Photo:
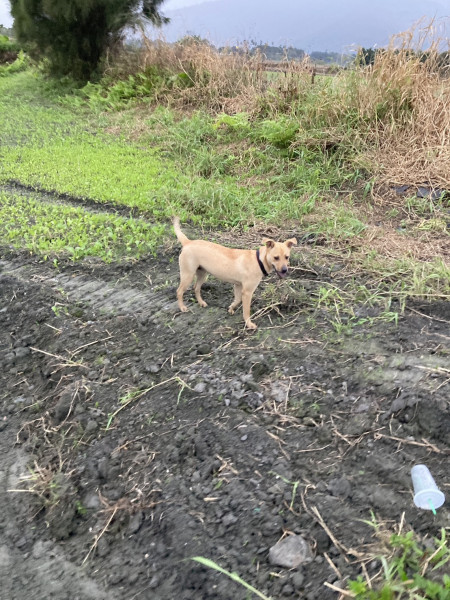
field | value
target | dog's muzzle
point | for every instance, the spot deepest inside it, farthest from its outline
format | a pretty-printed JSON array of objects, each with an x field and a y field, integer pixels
[{"x": 282, "y": 274}]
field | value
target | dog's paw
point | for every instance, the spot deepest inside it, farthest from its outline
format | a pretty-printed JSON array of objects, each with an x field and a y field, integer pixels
[
  {"x": 183, "y": 309},
  {"x": 203, "y": 304},
  {"x": 231, "y": 310},
  {"x": 251, "y": 325}
]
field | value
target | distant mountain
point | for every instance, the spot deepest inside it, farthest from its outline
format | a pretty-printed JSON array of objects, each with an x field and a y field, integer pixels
[{"x": 310, "y": 25}]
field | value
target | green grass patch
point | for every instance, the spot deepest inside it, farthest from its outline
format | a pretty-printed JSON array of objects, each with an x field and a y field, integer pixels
[
  {"x": 213, "y": 170},
  {"x": 55, "y": 231},
  {"x": 199, "y": 166}
]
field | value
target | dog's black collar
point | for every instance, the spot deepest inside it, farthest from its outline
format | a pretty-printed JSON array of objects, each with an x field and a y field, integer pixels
[{"x": 261, "y": 266}]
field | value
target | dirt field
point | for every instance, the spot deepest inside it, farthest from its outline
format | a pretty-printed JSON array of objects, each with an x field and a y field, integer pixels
[{"x": 134, "y": 437}]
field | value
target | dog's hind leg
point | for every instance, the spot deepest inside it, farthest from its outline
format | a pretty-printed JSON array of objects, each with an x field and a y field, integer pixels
[
  {"x": 237, "y": 298},
  {"x": 187, "y": 273},
  {"x": 201, "y": 278}
]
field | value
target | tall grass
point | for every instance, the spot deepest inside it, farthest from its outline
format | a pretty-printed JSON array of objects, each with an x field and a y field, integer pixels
[
  {"x": 391, "y": 119},
  {"x": 405, "y": 98}
]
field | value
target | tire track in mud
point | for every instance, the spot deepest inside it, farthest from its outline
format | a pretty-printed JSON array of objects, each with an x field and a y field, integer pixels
[
  {"x": 32, "y": 568},
  {"x": 100, "y": 295}
]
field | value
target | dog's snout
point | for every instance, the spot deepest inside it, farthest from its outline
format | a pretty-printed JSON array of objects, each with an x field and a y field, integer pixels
[{"x": 284, "y": 269}]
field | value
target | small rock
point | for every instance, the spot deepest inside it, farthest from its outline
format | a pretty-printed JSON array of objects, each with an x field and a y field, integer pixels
[
  {"x": 196, "y": 477},
  {"x": 203, "y": 349},
  {"x": 297, "y": 580},
  {"x": 133, "y": 577},
  {"x": 21, "y": 542},
  {"x": 22, "y": 352},
  {"x": 91, "y": 427},
  {"x": 19, "y": 399},
  {"x": 383, "y": 497},
  {"x": 340, "y": 487},
  {"x": 115, "y": 575},
  {"x": 290, "y": 552},
  {"x": 41, "y": 549},
  {"x": 272, "y": 526},
  {"x": 63, "y": 407},
  {"x": 279, "y": 393},
  {"x": 287, "y": 590},
  {"x": 9, "y": 358},
  {"x": 91, "y": 500},
  {"x": 200, "y": 387},
  {"x": 5, "y": 560},
  {"x": 229, "y": 519},
  {"x": 135, "y": 522},
  {"x": 362, "y": 407},
  {"x": 102, "y": 467},
  {"x": 323, "y": 542}
]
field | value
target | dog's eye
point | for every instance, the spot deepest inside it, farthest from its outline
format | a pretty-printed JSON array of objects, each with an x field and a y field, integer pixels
[
  {"x": 276, "y": 258},
  {"x": 287, "y": 257}
]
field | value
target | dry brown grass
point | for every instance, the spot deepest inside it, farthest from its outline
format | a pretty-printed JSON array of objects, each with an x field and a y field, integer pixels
[
  {"x": 228, "y": 81},
  {"x": 410, "y": 100},
  {"x": 392, "y": 119}
]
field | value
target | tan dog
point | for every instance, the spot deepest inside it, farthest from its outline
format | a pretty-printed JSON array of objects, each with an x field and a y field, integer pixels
[{"x": 243, "y": 268}]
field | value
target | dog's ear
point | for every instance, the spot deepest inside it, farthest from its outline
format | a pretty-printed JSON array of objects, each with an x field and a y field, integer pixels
[
  {"x": 268, "y": 242},
  {"x": 291, "y": 242}
]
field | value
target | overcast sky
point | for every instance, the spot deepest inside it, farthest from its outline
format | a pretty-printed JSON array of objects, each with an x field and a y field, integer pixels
[
  {"x": 174, "y": 4},
  {"x": 5, "y": 17}
]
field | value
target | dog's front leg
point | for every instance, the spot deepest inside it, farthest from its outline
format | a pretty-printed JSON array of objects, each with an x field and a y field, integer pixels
[{"x": 246, "y": 302}]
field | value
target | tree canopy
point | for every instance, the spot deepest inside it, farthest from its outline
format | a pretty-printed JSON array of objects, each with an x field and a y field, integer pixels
[{"x": 74, "y": 34}]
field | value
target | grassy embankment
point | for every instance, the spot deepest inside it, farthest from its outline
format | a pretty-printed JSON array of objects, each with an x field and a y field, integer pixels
[{"x": 219, "y": 143}]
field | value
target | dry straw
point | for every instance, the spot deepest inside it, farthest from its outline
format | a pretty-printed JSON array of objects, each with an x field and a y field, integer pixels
[
  {"x": 392, "y": 118},
  {"x": 408, "y": 93},
  {"x": 232, "y": 80}
]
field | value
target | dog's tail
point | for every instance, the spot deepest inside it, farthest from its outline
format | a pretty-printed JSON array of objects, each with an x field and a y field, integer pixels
[{"x": 180, "y": 235}]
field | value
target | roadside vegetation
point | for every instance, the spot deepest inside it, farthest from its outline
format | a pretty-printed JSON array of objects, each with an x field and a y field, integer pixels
[{"x": 212, "y": 137}]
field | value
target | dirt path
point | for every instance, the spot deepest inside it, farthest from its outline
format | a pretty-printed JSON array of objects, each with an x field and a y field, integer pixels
[{"x": 148, "y": 437}]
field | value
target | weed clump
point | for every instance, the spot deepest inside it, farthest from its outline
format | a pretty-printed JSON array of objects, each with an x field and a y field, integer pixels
[{"x": 390, "y": 119}]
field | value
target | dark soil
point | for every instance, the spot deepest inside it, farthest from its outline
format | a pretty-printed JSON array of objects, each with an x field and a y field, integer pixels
[{"x": 134, "y": 437}]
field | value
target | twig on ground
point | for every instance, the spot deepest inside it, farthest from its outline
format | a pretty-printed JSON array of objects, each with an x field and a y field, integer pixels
[
  {"x": 97, "y": 537},
  {"x": 332, "y": 565},
  {"x": 424, "y": 444},
  {"x": 66, "y": 362},
  {"x": 90, "y": 344}
]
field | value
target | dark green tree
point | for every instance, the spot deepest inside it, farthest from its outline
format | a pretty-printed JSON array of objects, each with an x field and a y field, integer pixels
[
  {"x": 366, "y": 56},
  {"x": 74, "y": 35}
]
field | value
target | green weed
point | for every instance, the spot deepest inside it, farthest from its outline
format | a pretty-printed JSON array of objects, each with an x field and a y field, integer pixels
[
  {"x": 405, "y": 571},
  {"x": 51, "y": 229},
  {"x": 233, "y": 576},
  {"x": 20, "y": 64}
]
